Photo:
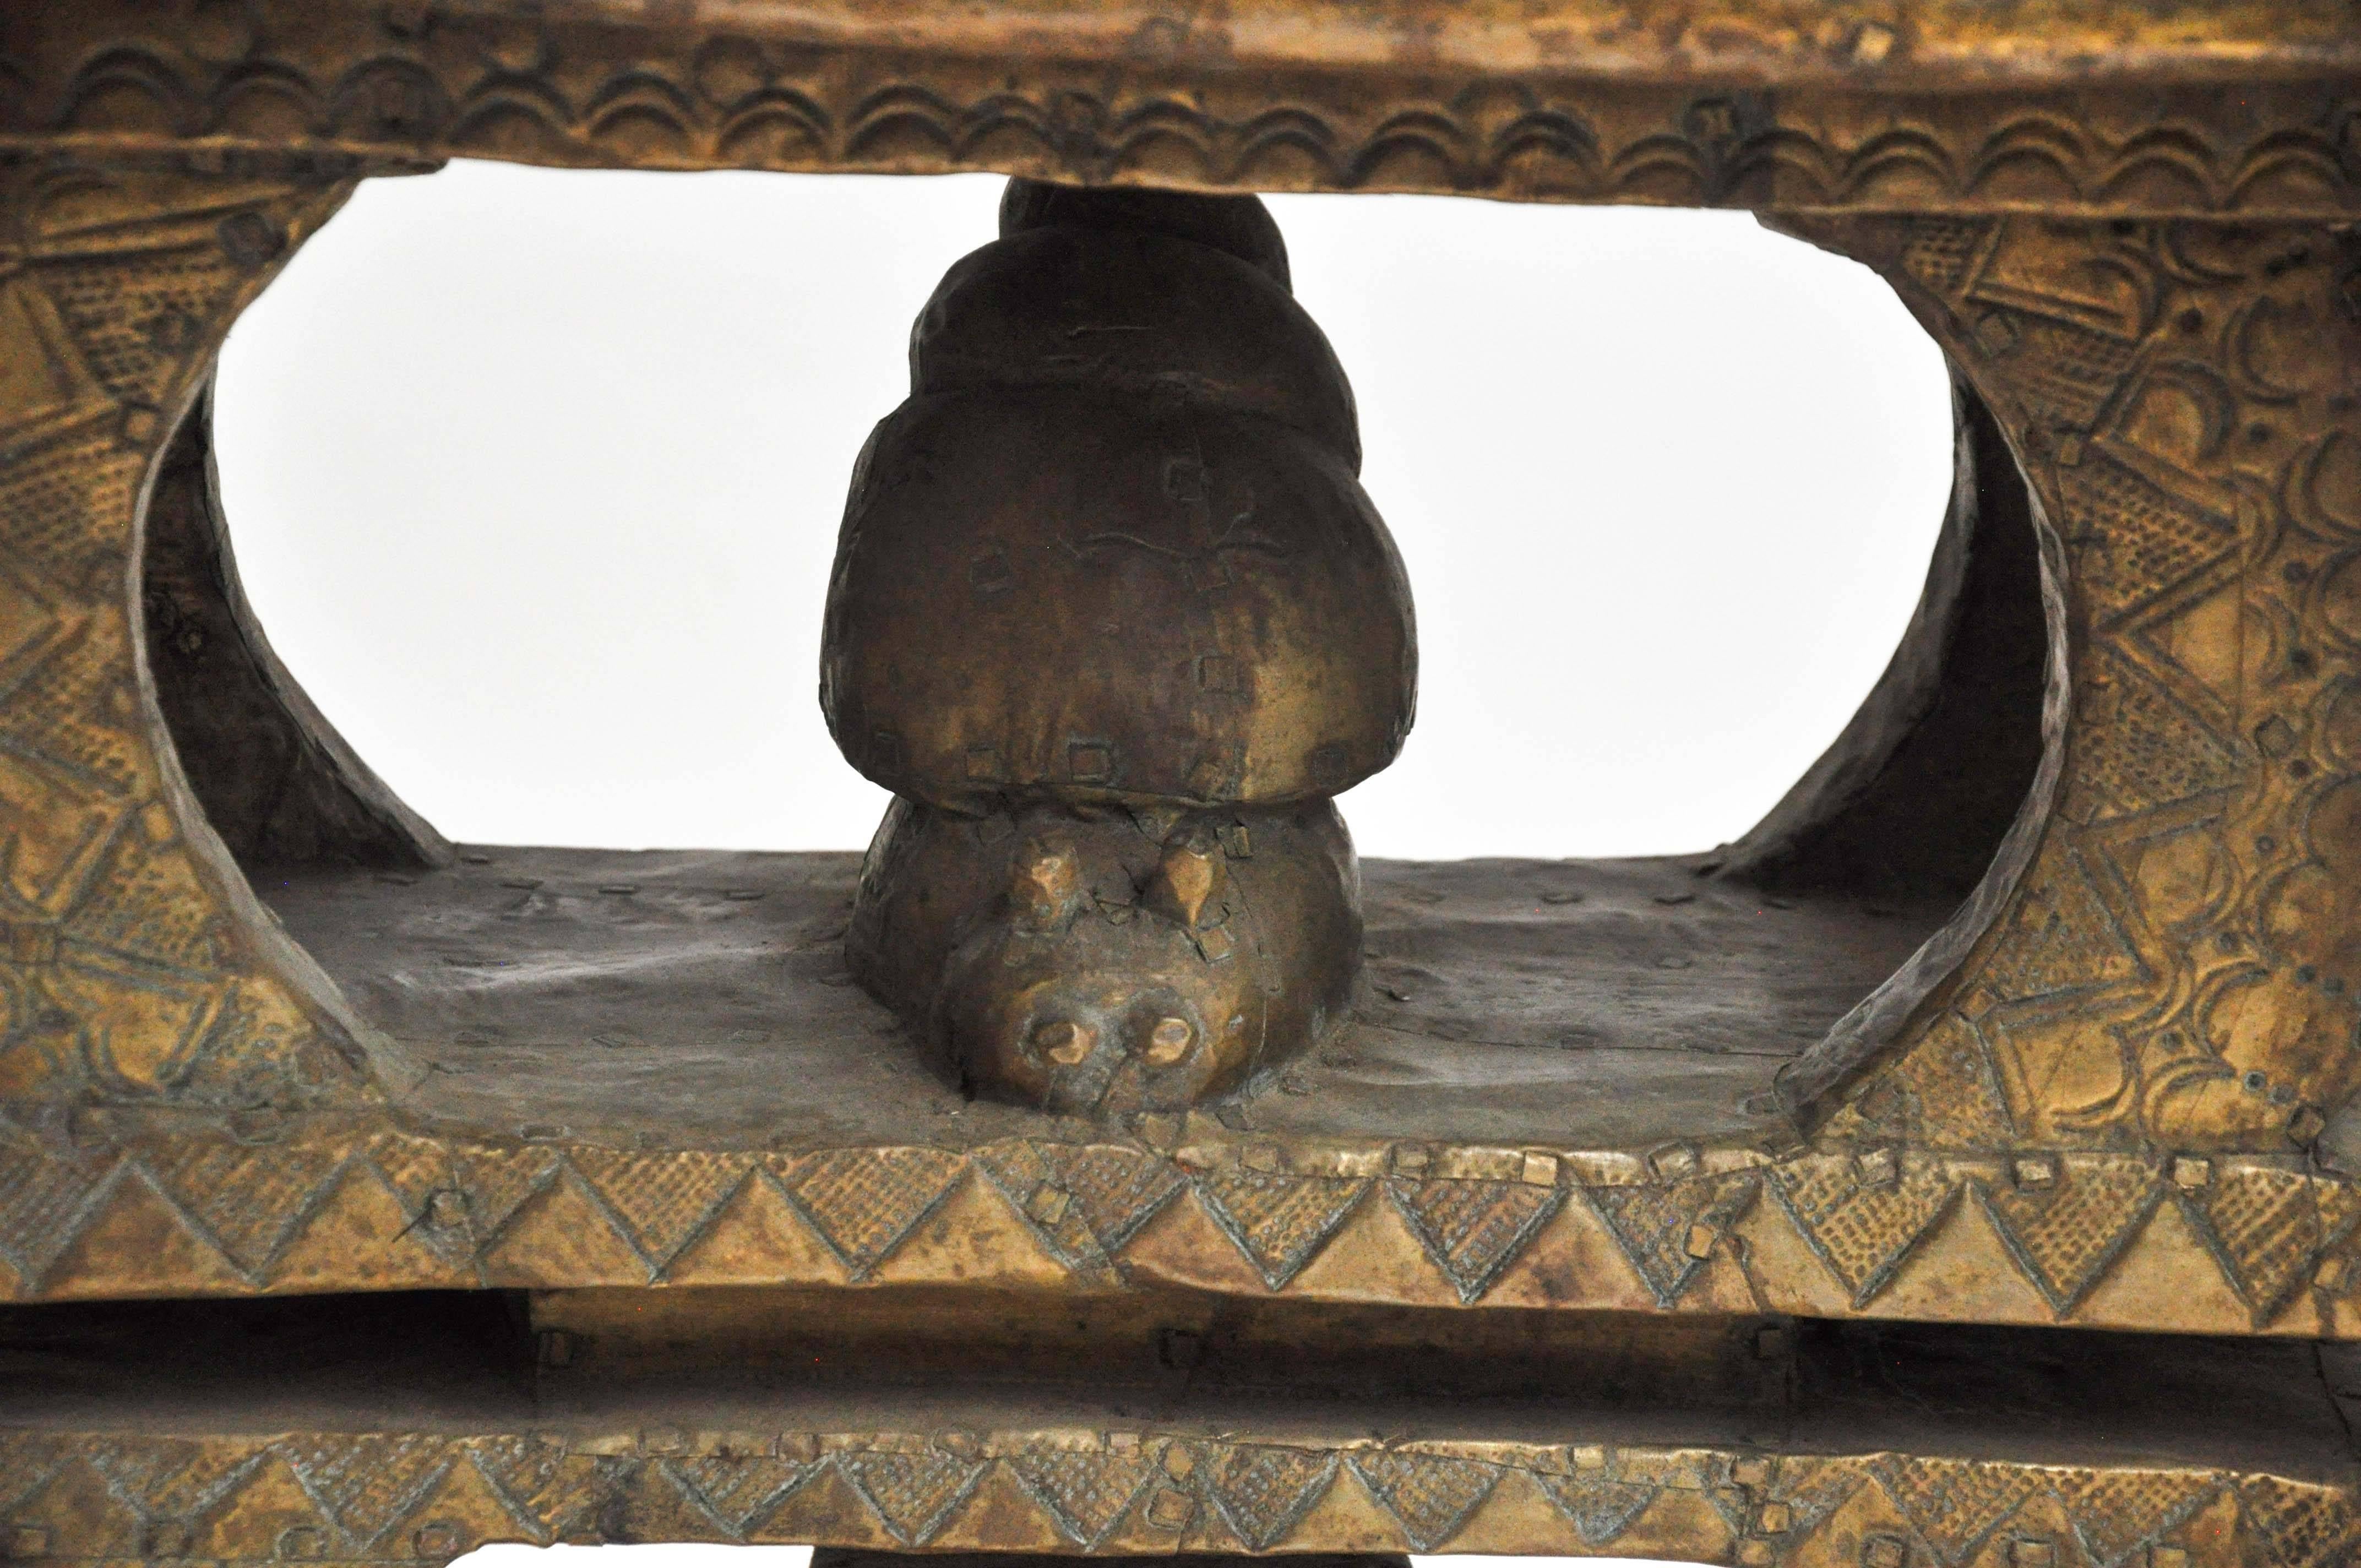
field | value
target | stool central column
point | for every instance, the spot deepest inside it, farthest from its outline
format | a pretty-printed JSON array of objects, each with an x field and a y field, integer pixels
[{"x": 1113, "y": 619}]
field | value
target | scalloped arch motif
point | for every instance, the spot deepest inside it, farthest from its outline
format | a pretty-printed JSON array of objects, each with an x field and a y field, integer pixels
[
  {"x": 2128, "y": 1069},
  {"x": 407, "y": 80}
]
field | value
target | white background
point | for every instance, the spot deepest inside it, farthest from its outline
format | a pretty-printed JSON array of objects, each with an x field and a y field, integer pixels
[{"x": 535, "y": 478}]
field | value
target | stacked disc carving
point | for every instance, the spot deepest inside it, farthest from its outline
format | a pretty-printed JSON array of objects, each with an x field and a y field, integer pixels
[{"x": 1113, "y": 619}]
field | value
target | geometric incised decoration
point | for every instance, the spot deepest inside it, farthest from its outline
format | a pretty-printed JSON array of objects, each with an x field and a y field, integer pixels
[
  {"x": 426, "y": 1214},
  {"x": 367, "y": 1485},
  {"x": 140, "y": 978},
  {"x": 2175, "y": 967},
  {"x": 2265, "y": 1228},
  {"x": 1668, "y": 1231},
  {"x": 1262, "y": 1493},
  {"x": 1954, "y": 1505},
  {"x": 864, "y": 1202},
  {"x": 738, "y": 1494},
  {"x": 915, "y": 1491},
  {"x": 1429, "y": 1495},
  {"x": 1473, "y": 1230},
  {"x": 249, "y": 1200},
  {"x": 700, "y": 93},
  {"x": 1087, "y": 1488},
  {"x": 1863, "y": 1220},
  {"x": 2160, "y": 1015},
  {"x": 2136, "y": 748},
  {"x": 1279, "y": 1223},
  {"x": 1810, "y": 1490},
  {"x": 528, "y": 1475},
  {"x": 1083, "y": 1201},
  {"x": 2179, "y": 394},
  {"x": 2067, "y": 1230},
  {"x": 397, "y": 1497},
  {"x": 2298, "y": 1527},
  {"x": 1601, "y": 1506},
  {"x": 2120, "y": 1091},
  {"x": 181, "y": 1480},
  {"x": 1948, "y": 1090},
  {"x": 2116, "y": 1514},
  {"x": 45, "y": 386},
  {"x": 46, "y": 1198},
  {"x": 498, "y": 1183},
  {"x": 417, "y": 1175},
  {"x": 2017, "y": 271},
  {"x": 2063, "y": 938},
  {"x": 665, "y": 1201},
  {"x": 2142, "y": 545}
]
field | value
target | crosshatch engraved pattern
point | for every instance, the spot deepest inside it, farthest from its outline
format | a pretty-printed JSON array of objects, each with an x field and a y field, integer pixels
[
  {"x": 2121, "y": 1109},
  {"x": 414, "y": 1496},
  {"x": 314, "y": 1203},
  {"x": 2174, "y": 971},
  {"x": 2119, "y": 1086},
  {"x": 132, "y": 961},
  {"x": 2112, "y": 1098}
]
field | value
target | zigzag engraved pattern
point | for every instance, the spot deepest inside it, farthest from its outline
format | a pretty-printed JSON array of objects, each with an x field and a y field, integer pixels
[
  {"x": 2177, "y": 968},
  {"x": 2186, "y": 397},
  {"x": 126, "y": 973},
  {"x": 428, "y": 1213},
  {"x": 81, "y": 1496}
]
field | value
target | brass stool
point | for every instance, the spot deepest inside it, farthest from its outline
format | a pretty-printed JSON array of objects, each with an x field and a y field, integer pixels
[{"x": 2031, "y": 1012}]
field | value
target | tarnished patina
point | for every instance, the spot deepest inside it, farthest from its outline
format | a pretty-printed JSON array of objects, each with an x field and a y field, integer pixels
[
  {"x": 1113, "y": 619},
  {"x": 1752, "y": 1207}
]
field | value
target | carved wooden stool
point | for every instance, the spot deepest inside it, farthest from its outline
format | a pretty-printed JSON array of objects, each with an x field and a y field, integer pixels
[{"x": 1756, "y": 1208}]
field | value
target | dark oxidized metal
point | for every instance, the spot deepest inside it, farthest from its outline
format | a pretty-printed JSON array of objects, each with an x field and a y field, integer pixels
[
  {"x": 1112, "y": 618},
  {"x": 365, "y": 1198}
]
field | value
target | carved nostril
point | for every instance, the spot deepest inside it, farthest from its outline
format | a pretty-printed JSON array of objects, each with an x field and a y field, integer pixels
[
  {"x": 1169, "y": 1041},
  {"x": 1065, "y": 1042}
]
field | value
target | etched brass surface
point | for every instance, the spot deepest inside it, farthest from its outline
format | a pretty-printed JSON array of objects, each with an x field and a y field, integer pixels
[
  {"x": 633, "y": 1069},
  {"x": 136, "y": 964},
  {"x": 1174, "y": 1425},
  {"x": 2098, "y": 107},
  {"x": 1957, "y": 1092},
  {"x": 2172, "y": 969},
  {"x": 2114, "y": 1088}
]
